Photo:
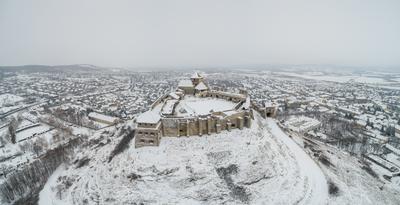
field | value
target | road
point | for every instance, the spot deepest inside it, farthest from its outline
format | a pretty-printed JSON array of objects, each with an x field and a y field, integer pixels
[{"x": 317, "y": 192}]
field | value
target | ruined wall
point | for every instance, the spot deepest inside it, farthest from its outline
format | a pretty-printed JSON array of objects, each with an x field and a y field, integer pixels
[
  {"x": 223, "y": 95},
  {"x": 170, "y": 127},
  {"x": 177, "y": 127},
  {"x": 147, "y": 125},
  {"x": 148, "y": 136},
  {"x": 158, "y": 101},
  {"x": 264, "y": 111},
  {"x": 188, "y": 90}
]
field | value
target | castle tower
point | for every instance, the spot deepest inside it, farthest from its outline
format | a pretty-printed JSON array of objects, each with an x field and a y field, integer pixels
[{"x": 196, "y": 79}]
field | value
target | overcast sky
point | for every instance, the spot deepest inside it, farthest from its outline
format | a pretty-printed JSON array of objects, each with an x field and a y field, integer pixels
[{"x": 165, "y": 33}]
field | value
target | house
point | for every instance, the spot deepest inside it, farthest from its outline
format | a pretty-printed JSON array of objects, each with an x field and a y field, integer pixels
[{"x": 103, "y": 118}]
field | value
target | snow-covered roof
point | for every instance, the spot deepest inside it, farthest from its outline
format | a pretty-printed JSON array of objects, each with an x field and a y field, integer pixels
[
  {"x": 168, "y": 107},
  {"x": 185, "y": 83},
  {"x": 393, "y": 149},
  {"x": 302, "y": 123},
  {"x": 174, "y": 95},
  {"x": 148, "y": 117},
  {"x": 201, "y": 86},
  {"x": 196, "y": 75},
  {"x": 99, "y": 116},
  {"x": 247, "y": 103}
]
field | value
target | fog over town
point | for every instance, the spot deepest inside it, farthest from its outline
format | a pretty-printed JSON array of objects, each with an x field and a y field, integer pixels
[{"x": 199, "y": 102}]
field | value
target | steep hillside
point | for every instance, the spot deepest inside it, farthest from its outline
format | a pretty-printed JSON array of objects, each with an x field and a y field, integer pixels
[{"x": 250, "y": 166}]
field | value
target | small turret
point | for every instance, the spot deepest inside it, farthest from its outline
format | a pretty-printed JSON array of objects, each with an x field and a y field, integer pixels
[{"x": 196, "y": 78}]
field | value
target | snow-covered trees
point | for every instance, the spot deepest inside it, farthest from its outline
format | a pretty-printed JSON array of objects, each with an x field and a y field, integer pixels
[
  {"x": 77, "y": 116},
  {"x": 29, "y": 180},
  {"x": 390, "y": 131},
  {"x": 39, "y": 145}
]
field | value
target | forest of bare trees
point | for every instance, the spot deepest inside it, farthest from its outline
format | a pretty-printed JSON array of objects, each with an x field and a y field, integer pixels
[
  {"x": 74, "y": 116},
  {"x": 342, "y": 132},
  {"x": 20, "y": 186}
]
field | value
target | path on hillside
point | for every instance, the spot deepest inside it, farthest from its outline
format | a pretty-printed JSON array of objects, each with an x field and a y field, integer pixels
[{"x": 317, "y": 192}]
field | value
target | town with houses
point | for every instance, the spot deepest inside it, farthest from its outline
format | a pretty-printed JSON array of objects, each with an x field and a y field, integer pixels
[{"x": 348, "y": 124}]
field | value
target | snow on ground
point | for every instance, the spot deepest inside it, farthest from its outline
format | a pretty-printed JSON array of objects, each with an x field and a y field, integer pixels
[
  {"x": 389, "y": 87},
  {"x": 102, "y": 117},
  {"x": 24, "y": 124},
  {"x": 355, "y": 185},
  {"x": 202, "y": 106},
  {"x": 257, "y": 165},
  {"x": 45, "y": 196},
  {"x": 317, "y": 193},
  {"x": 38, "y": 130},
  {"x": 8, "y": 109},
  {"x": 241, "y": 166},
  {"x": 337, "y": 78},
  {"x": 9, "y": 99}
]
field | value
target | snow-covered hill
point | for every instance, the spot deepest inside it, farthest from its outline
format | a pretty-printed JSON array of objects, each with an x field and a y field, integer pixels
[{"x": 260, "y": 165}]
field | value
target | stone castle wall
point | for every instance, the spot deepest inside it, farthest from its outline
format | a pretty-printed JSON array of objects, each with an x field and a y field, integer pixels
[
  {"x": 172, "y": 126},
  {"x": 177, "y": 127},
  {"x": 223, "y": 95},
  {"x": 148, "y": 136},
  {"x": 265, "y": 111}
]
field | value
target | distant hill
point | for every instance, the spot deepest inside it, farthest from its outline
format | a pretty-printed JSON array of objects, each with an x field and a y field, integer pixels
[{"x": 55, "y": 68}]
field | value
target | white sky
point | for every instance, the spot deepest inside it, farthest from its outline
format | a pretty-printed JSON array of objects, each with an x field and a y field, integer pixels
[{"x": 165, "y": 33}]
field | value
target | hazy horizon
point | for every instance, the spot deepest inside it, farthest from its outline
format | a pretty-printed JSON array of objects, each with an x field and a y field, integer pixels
[
  {"x": 269, "y": 67},
  {"x": 200, "y": 34}
]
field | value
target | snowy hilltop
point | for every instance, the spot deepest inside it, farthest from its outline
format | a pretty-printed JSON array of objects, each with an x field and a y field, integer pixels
[{"x": 259, "y": 165}]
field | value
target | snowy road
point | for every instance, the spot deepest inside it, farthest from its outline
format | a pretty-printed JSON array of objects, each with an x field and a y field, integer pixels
[{"x": 317, "y": 192}]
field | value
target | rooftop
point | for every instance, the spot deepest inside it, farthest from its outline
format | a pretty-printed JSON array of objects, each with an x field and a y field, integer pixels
[
  {"x": 185, "y": 83},
  {"x": 196, "y": 75},
  {"x": 174, "y": 95},
  {"x": 102, "y": 117},
  {"x": 149, "y": 117},
  {"x": 168, "y": 107},
  {"x": 201, "y": 86}
]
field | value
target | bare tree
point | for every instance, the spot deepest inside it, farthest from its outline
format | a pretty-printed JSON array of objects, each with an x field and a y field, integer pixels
[
  {"x": 12, "y": 128},
  {"x": 40, "y": 145}
]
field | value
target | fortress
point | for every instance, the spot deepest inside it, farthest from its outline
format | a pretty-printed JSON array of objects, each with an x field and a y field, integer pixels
[{"x": 194, "y": 110}]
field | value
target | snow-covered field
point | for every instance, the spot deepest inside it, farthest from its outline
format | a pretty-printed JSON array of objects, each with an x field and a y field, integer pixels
[
  {"x": 45, "y": 196},
  {"x": 38, "y": 130},
  {"x": 9, "y": 99},
  {"x": 258, "y": 165},
  {"x": 337, "y": 78}
]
